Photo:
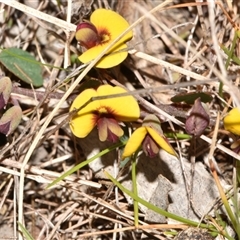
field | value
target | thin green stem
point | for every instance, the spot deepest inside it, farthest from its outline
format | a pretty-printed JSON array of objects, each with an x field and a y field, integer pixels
[
  {"x": 82, "y": 164},
  {"x": 225, "y": 202},
  {"x": 230, "y": 56},
  {"x": 134, "y": 186},
  {"x": 235, "y": 195}
]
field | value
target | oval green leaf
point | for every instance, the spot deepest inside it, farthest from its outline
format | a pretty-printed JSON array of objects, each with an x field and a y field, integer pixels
[
  {"x": 189, "y": 98},
  {"x": 23, "y": 65}
]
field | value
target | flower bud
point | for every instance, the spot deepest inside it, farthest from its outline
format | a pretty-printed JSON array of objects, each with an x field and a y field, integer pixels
[
  {"x": 5, "y": 91},
  {"x": 10, "y": 120},
  {"x": 153, "y": 121},
  {"x": 155, "y": 138},
  {"x": 198, "y": 119}
]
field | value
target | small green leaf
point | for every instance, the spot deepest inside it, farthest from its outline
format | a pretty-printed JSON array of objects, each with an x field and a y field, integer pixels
[
  {"x": 189, "y": 98},
  {"x": 228, "y": 52},
  {"x": 84, "y": 163},
  {"x": 23, "y": 65}
]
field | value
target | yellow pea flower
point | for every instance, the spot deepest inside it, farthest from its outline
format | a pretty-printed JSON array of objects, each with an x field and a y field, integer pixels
[
  {"x": 104, "y": 113},
  {"x": 104, "y": 27},
  {"x": 150, "y": 136},
  {"x": 232, "y": 121}
]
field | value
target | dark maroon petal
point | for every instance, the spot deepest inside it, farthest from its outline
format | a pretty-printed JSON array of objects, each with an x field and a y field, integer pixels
[
  {"x": 2, "y": 101},
  {"x": 111, "y": 137},
  {"x": 149, "y": 147},
  {"x": 5, "y": 127},
  {"x": 86, "y": 25},
  {"x": 109, "y": 129},
  {"x": 87, "y": 35}
]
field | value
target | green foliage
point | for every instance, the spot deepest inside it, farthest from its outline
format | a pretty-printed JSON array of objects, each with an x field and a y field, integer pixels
[
  {"x": 189, "y": 98},
  {"x": 160, "y": 211},
  {"x": 23, "y": 65},
  {"x": 84, "y": 163},
  {"x": 25, "y": 232}
]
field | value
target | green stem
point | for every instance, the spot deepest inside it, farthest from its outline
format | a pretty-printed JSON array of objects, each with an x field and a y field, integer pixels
[
  {"x": 226, "y": 203},
  {"x": 230, "y": 56},
  {"x": 161, "y": 211},
  {"x": 135, "y": 191},
  {"x": 82, "y": 164},
  {"x": 178, "y": 135}
]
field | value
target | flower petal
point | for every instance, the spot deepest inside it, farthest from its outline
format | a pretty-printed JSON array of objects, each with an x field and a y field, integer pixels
[
  {"x": 235, "y": 146},
  {"x": 123, "y": 108},
  {"x": 87, "y": 35},
  {"x": 134, "y": 142},
  {"x": 109, "y": 129},
  {"x": 161, "y": 141},
  {"x": 232, "y": 121},
  {"x": 85, "y": 119},
  {"x": 107, "y": 61},
  {"x": 150, "y": 147},
  {"x": 111, "y": 21},
  {"x": 102, "y": 129},
  {"x": 114, "y": 127},
  {"x": 153, "y": 121}
]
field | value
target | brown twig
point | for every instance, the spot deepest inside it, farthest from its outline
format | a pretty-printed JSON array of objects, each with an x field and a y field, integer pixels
[{"x": 39, "y": 95}]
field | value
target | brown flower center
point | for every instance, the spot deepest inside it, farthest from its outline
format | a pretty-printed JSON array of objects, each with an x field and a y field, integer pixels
[{"x": 104, "y": 35}]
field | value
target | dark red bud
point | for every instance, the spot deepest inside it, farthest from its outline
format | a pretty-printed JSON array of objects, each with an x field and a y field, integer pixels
[
  {"x": 198, "y": 119},
  {"x": 5, "y": 127}
]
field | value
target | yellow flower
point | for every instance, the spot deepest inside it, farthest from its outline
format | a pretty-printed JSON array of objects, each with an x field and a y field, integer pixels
[
  {"x": 232, "y": 121},
  {"x": 151, "y": 138},
  {"x": 104, "y": 113},
  {"x": 104, "y": 27}
]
